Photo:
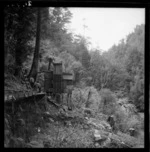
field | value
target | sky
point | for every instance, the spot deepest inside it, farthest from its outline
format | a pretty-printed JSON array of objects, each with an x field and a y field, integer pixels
[{"x": 105, "y": 26}]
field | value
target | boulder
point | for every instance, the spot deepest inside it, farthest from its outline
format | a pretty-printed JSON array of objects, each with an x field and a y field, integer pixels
[
  {"x": 97, "y": 145},
  {"x": 101, "y": 138},
  {"x": 107, "y": 141},
  {"x": 46, "y": 114},
  {"x": 86, "y": 118},
  {"x": 97, "y": 135}
]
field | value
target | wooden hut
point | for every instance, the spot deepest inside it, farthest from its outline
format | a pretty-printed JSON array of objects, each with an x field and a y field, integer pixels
[{"x": 57, "y": 77}]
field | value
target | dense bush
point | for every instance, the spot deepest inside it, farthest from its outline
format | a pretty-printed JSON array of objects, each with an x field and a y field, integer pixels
[
  {"x": 121, "y": 117},
  {"x": 137, "y": 93},
  {"x": 126, "y": 120},
  {"x": 108, "y": 101},
  {"x": 77, "y": 98}
]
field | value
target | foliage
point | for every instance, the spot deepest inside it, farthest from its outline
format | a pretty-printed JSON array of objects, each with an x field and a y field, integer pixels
[
  {"x": 35, "y": 63},
  {"x": 78, "y": 98},
  {"x": 106, "y": 74},
  {"x": 19, "y": 29},
  {"x": 108, "y": 101},
  {"x": 121, "y": 118},
  {"x": 137, "y": 93},
  {"x": 120, "y": 69},
  {"x": 126, "y": 118},
  {"x": 54, "y": 27},
  {"x": 77, "y": 69},
  {"x": 68, "y": 60},
  {"x": 127, "y": 60}
]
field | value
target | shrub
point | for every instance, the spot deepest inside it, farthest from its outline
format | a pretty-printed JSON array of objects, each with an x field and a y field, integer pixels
[
  {"x": 137, "y": 93},
  {"x": 125, "y": 120},
  {"x": 108, "y": 101},
  {"x": 121, "y": 117},
  {"x": 77, "y": 98}
]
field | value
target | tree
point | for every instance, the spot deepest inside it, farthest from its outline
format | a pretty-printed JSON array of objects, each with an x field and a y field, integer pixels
[
  {"x": 19, "y": 30},
  {"x": 68, "y": 60},
  {"x": 86, "y": 59},
  {"x": 54, "y": 35},
  {"x": 34, "y": 68},
  {"x": 134, "y": 62},
  {"x": 137, "y": 93},
  {"x": 54, "y": 26},
  {"x": 77, "y": 69},
  {"x": 128, "y": 58}
]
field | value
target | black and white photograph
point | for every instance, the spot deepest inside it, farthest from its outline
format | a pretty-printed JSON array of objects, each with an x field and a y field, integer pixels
[{"x": 74, "y": 77}]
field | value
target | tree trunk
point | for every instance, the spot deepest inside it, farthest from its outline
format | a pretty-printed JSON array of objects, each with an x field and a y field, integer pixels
[
  {"x": 34, "y": 68},
  {"x": 18, "y": 63}
]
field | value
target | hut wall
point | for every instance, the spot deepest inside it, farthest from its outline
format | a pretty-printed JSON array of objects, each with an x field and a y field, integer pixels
[
  {"x": 48, "y": 83},
  {"x": 57, "y": 68},
  {"x": 57, "y": 83}
]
